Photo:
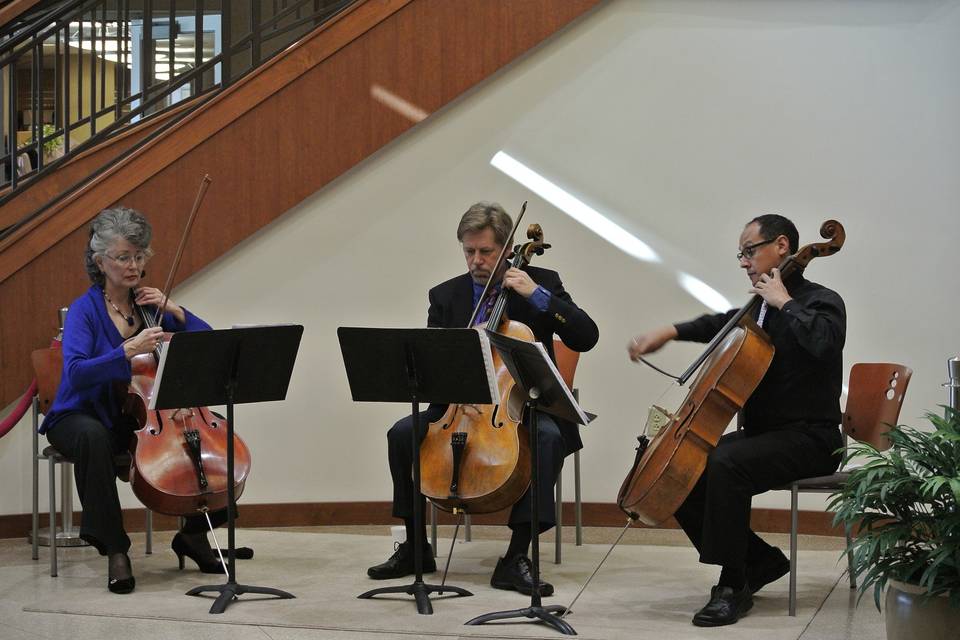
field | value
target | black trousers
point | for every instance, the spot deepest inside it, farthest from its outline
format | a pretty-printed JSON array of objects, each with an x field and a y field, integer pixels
[
  {"x": 716, "y": 514},
  {"x": 91, "y": 446},
  {"x": 552, "y": 452}
]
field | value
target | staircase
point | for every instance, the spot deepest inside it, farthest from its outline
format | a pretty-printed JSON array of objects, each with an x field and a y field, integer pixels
[{"x": 269, "y": 137}]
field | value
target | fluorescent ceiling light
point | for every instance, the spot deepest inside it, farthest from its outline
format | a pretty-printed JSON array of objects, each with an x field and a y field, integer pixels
[
  {"x": 575, "y": 208},
  {"x": 704, "y": 292}
]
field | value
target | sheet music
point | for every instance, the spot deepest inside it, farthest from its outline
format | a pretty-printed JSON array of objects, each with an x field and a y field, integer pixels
[
  {"x": 488, "y": 365},
  {"x": 163, "y": 360},
  {"x": 563, "y": 385}
]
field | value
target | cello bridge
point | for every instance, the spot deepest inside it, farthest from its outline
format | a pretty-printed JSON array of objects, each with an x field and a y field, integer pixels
[{"x": 657, "y": 419}]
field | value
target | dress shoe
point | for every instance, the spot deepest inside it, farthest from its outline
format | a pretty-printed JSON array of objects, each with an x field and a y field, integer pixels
[
  {"x": 400, "y": 564},
  {"x": 773, "y": 567},
  {"x": 120, "y": 574},
  {"x": 198, "y": 549},
  {"x": 514, "y": 573},
  {"x": 725, "y": 607}
]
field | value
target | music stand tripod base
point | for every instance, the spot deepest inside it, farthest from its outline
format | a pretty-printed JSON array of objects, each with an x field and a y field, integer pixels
[
  {"x": 421, "y": 593},
  {"x": 230, "y": 591},
  {"x": 535, "y": 612}
]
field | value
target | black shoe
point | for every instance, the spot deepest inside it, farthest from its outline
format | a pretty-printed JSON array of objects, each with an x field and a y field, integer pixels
[
  {"x": 514, "y": 573},
  {"x": 773, "y": 567},
  {"x": 725, "y": 607},
  {"x": 241, "y": 553},
  {"x": 400, "y": 564},
  {"x": 119, "y": 573},
  {"x": 198, "y": 549}
]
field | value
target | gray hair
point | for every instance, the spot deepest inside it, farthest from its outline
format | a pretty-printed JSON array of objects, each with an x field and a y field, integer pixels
[
  {"x": 109, "y": 226},
  {"x": 485, "y": 215}
]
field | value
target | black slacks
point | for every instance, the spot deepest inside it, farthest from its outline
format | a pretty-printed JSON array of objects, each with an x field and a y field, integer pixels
[
  {"x": 716, "y": 514},
  {"x": 91, "y": 446},
  {"x": 552, "y": 452}
]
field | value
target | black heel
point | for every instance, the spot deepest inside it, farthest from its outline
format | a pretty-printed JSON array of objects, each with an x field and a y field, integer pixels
[
  {"x": 120, "y": 574},
  {"x": 207, "y": 561}
]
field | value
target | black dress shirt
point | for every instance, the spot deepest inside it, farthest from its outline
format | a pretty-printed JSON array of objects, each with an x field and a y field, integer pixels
[{"x": 803, "y": 384}]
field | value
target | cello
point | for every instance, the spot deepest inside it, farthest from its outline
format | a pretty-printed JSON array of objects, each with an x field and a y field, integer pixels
[
  {"x": 476, "y": 458},
  {"x": 178, "y": 456},
  {"x": 666, "y": 467}
]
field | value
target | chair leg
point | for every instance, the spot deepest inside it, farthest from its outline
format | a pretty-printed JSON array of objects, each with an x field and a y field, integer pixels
[
  {"x": 578, "y": 512},
  {"x": 35, "y": 519},
  {"x": 850, "y": 570},
  {"x": 558, "y": 515},
  {"x": 794, "y": 525},
  {"x": 149, "y": 528},
  {"x": 53, "y": 518}
]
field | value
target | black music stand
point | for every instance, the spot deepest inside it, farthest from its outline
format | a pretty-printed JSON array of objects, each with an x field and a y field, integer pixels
[
  {"x": 442, "y": 366},
  {"x": 227, "y": 366},
  {"x": 538, "y": 379}
]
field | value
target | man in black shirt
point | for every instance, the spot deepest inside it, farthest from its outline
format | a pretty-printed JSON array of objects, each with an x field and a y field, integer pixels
[{"x": 788, "y": 427}]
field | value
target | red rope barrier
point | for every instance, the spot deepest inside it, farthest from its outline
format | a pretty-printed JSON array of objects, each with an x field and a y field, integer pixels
[{"x": 11, "y": 420}]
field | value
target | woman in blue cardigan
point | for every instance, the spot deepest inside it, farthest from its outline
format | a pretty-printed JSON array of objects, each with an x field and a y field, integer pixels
[{"x": 102, "y": 333}]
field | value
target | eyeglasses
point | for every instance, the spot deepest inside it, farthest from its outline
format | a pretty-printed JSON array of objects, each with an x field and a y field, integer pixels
[
  {"x": 749, "y": 250},
  {"x": 124, "y": 259}
]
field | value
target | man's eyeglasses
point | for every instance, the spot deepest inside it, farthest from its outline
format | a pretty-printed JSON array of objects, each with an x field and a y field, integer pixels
[
  {"x": 749, "y": 250},
  {"x": 124, "y": 259}
]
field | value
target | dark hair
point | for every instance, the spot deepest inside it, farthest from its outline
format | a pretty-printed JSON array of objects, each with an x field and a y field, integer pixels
[
  {"x": 106, "y": 228},
  {"x": 485, "y": 215},
  {"x": 773, "y": 225}
]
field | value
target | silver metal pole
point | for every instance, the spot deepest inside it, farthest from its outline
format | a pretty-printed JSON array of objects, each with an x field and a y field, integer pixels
[{"x": 953, "y": 383}]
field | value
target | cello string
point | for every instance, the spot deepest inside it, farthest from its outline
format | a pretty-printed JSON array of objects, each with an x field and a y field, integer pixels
[
  {"x": 446, "y": 568},
  {"x": 585, "y": 584}
]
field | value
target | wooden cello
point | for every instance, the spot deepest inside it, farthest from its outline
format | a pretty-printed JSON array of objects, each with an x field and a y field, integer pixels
[
  {"x": 179, "y": 456},
  {"x": 667, "y": 467},
  {"x": 476, "y": 458}
]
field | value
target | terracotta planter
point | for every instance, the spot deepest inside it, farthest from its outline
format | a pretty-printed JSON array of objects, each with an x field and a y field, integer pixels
[{"x": 910, "y": 616}]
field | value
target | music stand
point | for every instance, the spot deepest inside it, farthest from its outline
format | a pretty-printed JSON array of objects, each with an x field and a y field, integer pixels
[
  {"x": 442, "y": 366},
  {"x": 227, "y": 366},
  {"x": 538, "y": 379}
]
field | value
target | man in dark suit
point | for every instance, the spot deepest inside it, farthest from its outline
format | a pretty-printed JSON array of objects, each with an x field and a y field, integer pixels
[{"x": 536, "y": 298}]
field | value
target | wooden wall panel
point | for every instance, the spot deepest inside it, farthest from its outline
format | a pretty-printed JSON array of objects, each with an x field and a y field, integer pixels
[
  {"x": 315, "y": 514},
  {"x": 269, "y": 141}
]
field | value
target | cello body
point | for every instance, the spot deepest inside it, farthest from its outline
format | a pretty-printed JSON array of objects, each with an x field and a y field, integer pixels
[
  {"x": 494, "y": 468},
  {"x": 663, "y": 476},
  {"x": 164, "y": 472}
]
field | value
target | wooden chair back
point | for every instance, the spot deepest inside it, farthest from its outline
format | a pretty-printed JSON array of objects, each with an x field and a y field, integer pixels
[
  {"x": 567, "y": 360},
  {"x": 874, "y": 398}
]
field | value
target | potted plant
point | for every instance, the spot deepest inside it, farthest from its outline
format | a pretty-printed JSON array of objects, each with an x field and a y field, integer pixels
[{"x": 903, "y": 506}]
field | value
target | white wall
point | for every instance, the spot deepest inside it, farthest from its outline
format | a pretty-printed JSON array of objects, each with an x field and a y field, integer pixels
[{"x": 679, "y": 120}]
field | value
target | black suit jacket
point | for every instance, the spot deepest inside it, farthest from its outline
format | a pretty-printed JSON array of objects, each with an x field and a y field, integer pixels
[{"x": 451, "y": 304}]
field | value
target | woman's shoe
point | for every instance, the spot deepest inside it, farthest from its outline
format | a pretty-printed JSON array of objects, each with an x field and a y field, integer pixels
[
  {"x": 120, "y": 574},
  {"x": 197, "y": 549}
]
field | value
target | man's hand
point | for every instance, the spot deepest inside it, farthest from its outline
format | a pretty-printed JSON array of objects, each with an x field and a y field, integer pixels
[
  {"x": 519, "y": 281},
  {"x": 650, "y": 341},
  {"x": 771, "y": 289}
]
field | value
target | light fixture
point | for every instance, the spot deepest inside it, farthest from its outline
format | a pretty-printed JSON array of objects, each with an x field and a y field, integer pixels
[{"x": 575, "y": 208}]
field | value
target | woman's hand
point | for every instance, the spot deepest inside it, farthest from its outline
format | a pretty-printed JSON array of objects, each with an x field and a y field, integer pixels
[
  {"x": 144, "y": 342},
  {"x": 154, "y": 297}
]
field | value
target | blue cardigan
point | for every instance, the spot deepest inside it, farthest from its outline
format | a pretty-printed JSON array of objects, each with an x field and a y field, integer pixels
[{"x": 93, "y": 360}]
